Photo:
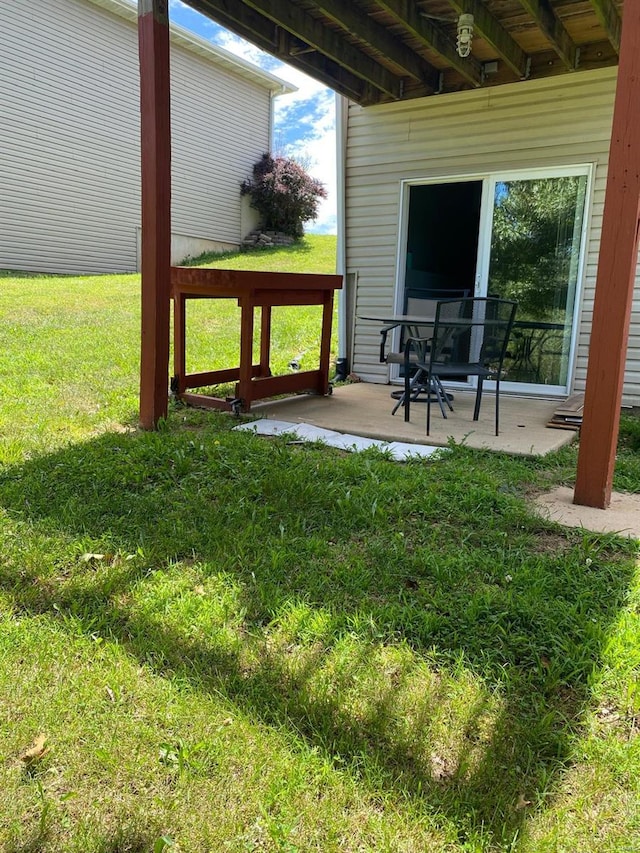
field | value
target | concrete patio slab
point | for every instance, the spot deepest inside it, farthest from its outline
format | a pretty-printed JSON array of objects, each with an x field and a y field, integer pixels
[
  {"x": 365, "y": 409},
  {"x": 621, "y": 517}
]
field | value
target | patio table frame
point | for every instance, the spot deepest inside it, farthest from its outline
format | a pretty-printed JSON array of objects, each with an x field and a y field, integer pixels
[{"x": 252, "y": 290}]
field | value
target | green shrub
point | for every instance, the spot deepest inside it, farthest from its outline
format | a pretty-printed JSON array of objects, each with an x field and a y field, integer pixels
[{"x": 284, "y": 194}]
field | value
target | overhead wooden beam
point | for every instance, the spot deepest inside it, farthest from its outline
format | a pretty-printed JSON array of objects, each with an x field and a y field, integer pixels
[
  {"x": 250, "y": 25},
  {"x": 406, "y": 12},
  {"x": 299, "y": 23},
  {"x": 617, "y": 264},
  {"x": 359, "y": 24},
  {"x": 155, "y": 135},
  {"x": 495, "y": 34},
  {"x": 294, "y": 52},
  {"x": 609, "y": 17},
  {"x": 553, "y": 29}
]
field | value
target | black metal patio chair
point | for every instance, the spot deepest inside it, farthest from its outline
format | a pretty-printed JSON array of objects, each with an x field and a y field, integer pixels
[
  {"x": 418, "y": 303},
  {"x": 469, "y": 338}
]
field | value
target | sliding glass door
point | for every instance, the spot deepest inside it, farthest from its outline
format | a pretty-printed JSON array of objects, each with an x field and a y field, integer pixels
[{"x": 516, "y": 236}]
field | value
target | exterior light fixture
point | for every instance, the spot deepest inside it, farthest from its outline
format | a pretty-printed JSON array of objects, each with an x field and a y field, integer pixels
[{"x": 465, "y": 35}]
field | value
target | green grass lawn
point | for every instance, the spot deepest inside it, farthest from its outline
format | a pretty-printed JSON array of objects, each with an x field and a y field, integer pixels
[
  {"x": 316, "y": 253},
  {"x": 249, "y": 645}
]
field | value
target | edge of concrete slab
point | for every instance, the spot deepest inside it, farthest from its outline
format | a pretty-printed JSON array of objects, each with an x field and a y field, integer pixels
[{"x": 363, "y": 409}]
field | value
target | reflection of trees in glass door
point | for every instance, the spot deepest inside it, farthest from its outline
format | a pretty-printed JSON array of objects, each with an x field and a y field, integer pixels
[{"x": 534, "y": 258}]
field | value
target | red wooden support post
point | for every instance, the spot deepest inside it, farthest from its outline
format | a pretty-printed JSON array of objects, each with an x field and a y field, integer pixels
[
  {"x": 615, "y": 281},
  {"x": 155, "y": 132}
]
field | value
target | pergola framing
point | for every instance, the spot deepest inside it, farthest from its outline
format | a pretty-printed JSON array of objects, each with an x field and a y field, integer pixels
[{"x": 376, "y": 51}]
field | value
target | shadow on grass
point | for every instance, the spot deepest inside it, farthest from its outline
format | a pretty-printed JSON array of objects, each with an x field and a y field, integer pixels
[
  {"x": 414, "y": 622},
  {"x": 121, "y": 842}
]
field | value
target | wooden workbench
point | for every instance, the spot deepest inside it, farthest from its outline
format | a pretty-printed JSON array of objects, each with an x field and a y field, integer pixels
[{"x": 252, "y": 290}]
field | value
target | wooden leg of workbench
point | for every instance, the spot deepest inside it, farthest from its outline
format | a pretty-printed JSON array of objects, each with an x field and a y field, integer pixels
[
  {"x": 179, "y": 341},
  {"x": 325, "y": 343},
  {"x": 265, "y": 340},
  {"x": 247, "y": 309}
]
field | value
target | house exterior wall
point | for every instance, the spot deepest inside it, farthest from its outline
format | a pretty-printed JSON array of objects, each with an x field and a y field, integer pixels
[
  {"x": 70, "y": 140},
  {"x": 556, "y": 122}
]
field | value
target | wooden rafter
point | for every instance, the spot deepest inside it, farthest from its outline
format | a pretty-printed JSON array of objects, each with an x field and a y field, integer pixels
[
  {"x": 610, "y": 19},
  {"x": 299, "y": 23},
  {"x": 357, "y": 22},
  {"x": 554, "y": 31},
  {"x": 248, "y": 24},
  {"x": 406, "y": 12},
  {"x": 495, "y": 34},
  {"x": 373, "y": 52}
]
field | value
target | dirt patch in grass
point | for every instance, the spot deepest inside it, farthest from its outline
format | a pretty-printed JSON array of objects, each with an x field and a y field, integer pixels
[{"x": 549, "y": 542}]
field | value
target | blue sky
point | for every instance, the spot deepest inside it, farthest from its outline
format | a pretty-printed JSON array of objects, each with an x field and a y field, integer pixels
[{"x": 304, "y": 122}]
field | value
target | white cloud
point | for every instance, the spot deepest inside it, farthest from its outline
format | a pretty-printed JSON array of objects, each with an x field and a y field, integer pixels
[
  {"x": 304, "y": 121},
  {"x": 316, "y": 146},
  {"x": 311, "y": 109}
]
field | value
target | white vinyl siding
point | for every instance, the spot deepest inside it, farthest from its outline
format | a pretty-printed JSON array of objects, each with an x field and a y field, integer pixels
[
  {"x": 561, "y": 121},
  {"x": 220, "y": 128},
  {"x": 70, "y": 139}
]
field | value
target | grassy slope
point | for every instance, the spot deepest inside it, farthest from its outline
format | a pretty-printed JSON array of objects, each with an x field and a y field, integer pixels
[
  {"x": 316, "y": 253},
  {"x": 71, "y": 344},
  {"x": 244, "y": 645}
]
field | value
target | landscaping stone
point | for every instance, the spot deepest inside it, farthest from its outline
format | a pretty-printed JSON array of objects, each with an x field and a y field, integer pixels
[{"x": 258, "y": 239}]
